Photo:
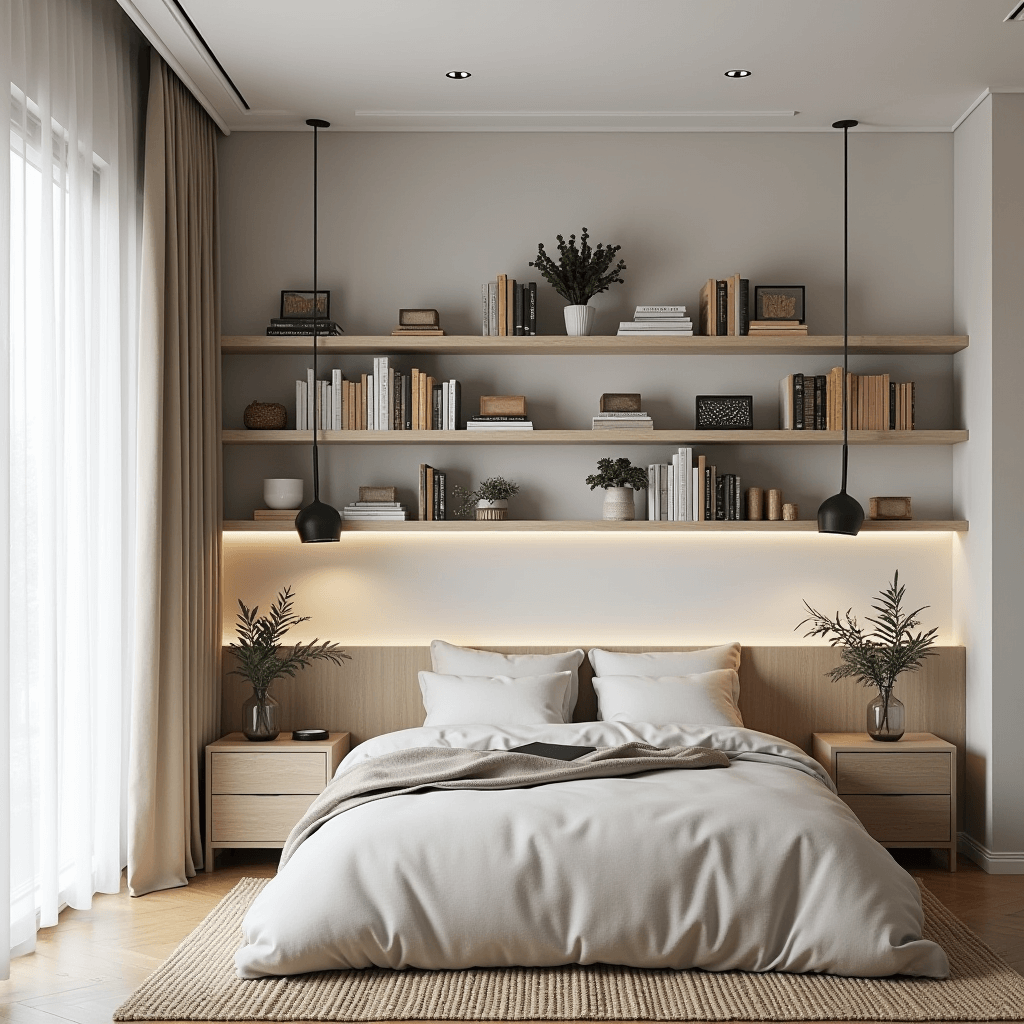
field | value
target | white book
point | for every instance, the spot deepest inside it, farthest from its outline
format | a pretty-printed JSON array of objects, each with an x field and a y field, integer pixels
[
  {"x": 371, "y": 404},
  {"x": 650, "y": 492},
  {"x": 381, "y": 375},
  {"x": 300, "y": 388},
  {"x": 672, "y": 517},
  {"x": 687, "y": 482},
  {"x": 694, "y": 506},
  {"x": 336, "y": 410},
  {"x": 658, "y": 309},
  {"x": 645, "y": 333},
  {"x": 444, "y": 406},
  {"x": 492, "y": 308},
  {"x": 486, "y": 322},
  {"x": 452, "y": 422},
  {"x": 310, "y": 399},
  {"x": 662, "y": 491}
]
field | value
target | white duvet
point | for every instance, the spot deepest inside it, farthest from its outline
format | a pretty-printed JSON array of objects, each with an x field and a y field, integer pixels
[{"x": 754, "y": 867}]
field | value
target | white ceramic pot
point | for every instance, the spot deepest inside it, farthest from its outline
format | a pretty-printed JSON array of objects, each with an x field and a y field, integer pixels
[
  {"x": 492, "y": 509},
  {"x": 579, "y": 320},
  {"x": 618, "y": 503},
  {"x": 282, "y": 493}
]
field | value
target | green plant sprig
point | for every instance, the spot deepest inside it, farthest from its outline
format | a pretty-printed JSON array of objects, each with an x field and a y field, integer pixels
[
  {"x": 879, "y": 656},
  {"x": 618, "y": 473},
  {"x": 259, "y": 639},
  {"x": 581, "y": 272}
]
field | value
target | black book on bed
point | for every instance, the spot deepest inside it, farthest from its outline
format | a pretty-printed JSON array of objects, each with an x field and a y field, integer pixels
[{"x": 558, "y": 751}]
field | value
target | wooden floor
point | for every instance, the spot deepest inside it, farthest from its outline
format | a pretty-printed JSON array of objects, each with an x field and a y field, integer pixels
[{"x": 86, "y": 966}]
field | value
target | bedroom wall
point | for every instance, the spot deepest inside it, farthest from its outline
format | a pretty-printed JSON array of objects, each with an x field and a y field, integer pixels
[
  {"x": 988, "y": 570},
  {"x": 423, "y": 219}
]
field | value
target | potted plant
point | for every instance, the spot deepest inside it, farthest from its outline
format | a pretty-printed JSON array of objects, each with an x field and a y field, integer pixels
[
  {"x": 259, "y": 660},
  {"x": 488, "y": 501},
  {"x": 619, "y": 478},
  {"x": 579, "y": 275},
  {"x": 879, "y": 657}
]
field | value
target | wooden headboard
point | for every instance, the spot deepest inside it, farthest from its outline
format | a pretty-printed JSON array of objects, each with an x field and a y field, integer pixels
[{"x": 783, "y": 691}]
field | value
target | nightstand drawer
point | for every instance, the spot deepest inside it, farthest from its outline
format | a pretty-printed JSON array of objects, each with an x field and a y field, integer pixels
[
  {"x": 266, "y": 772},
  {"x": 895, "y": 772},
  {"x": 255, "y": 819},
  {"x": 903, "y": 819}
]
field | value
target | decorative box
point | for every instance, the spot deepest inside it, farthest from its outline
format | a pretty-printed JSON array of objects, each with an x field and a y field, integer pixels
[{"x": 724, "y": 412}]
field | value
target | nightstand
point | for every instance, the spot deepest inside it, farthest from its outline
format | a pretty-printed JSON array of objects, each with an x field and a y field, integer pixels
[
  {"x": 903, "y": 792},
  {"x": 257, "y": 792}
]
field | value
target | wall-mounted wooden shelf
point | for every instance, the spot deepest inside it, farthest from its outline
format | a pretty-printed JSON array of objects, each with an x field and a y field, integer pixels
[
  {"x": 602, "y": 437},
  {"x": 556, "y": 345},
  {"x": 600, "y": 526}
]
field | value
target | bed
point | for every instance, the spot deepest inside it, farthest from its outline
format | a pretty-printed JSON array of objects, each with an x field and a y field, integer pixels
[{"x": 748, "y": 863}]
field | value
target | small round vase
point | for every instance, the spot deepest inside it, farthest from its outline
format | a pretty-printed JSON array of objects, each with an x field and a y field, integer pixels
[
  {"x": 886, "y": 718},
  {"x": 260, "y": 718},
  {"x": 618, "y": 503},
  {"x": 492, "y": 509},
  {"x": 579, "y": 320}
]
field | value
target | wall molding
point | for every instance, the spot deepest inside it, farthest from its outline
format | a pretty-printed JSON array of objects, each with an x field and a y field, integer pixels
[{"x": 995, "y": 862}]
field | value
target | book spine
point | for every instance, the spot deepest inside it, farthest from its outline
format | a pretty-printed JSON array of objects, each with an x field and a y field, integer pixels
[
  {"x": 441, "y": 497},
  {"x": 650, "y": 492},
  {"x": 719, "y": 497},
  {"x": 492, "y": 308},
  {"x": 533, "y": 308},
  {"x": 414, "y": 387},
  {"x": 422, "y": 494},
  {"x": 663, "y": 491},
  {"x": 310, "y": 399},
  {"x": 738, "y": 498},
  {"x": 443, "y": 389},
  {"x": 298, "y": 404},
  {"x": 336, "y": 400},
  {"x": 892, "y": 405},
  {"x": 798, "y": 401},
  {"x": 485, "y": 321},
  {"x": 913, "y": 405},
  {"x": 731, "y": 301},
  {"x": 502, "y": 305},
  {"x": 517, "y": 310},
  {"x": 722, "y": 308},
  {"x": 744, "y": 324}
]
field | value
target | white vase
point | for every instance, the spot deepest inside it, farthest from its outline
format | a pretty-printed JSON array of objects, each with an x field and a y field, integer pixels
[
  {"x": 492, "y": 509},
  {"x": 618, "y": 503},
  {"x": 578, "y": 320},
  {"x": 282, "y": 492}
]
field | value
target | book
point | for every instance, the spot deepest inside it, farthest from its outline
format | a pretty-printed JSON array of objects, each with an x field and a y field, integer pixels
[
  {"x": 731, "y": 305},
  {"x": 485, "y": 318},
  {"x": 658, "y": 311},
  {"x": 277, "y": 321},
  {"x": 496, "y": 419},
  {"x": 614, "y": 423},
  {"x": 531, "y": 320},
  {"x": 454, "y": 405},
  {"x": 654, "y": 333},
  {"x": 701, "y": 470},
  {"x": 743, "y": 321},
  {"x": 721, "y": 308},
  {"x": 656, "y": 325},
  {"x": 422, "y": 493},
  {"x": 301, "y": 332},
  {"x": 492, "y": 308},
  {"x": 417, "y": 332},
  {"x": 502, "y": 305},
  {"x": 274, "y": 515},
  {"x": 798, "y": 401},
  {"x": 517, "y": 310},
  {"x": 525, "y": 425},
  {"x": 706, "y": 308}
]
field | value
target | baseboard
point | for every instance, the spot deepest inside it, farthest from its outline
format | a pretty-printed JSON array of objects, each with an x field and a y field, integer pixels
[{"x": 992, "y": 861}]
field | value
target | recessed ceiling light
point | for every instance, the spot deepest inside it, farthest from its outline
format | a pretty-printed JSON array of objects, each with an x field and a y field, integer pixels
[
  {"x": 738, "y": 73},
  {"x": 457, "y": 74}
]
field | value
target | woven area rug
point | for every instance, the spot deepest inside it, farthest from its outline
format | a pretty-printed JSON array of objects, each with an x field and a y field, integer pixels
[{"x": 198, "y": 982}]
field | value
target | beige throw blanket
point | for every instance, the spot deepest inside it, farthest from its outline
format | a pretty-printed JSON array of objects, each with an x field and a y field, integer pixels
[{"x": 418, "y": 768}]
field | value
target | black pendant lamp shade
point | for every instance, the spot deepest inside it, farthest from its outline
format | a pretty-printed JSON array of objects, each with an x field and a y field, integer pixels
[
  {"x": 842, "y": 513},
  {"x": 318, "y": 522}
]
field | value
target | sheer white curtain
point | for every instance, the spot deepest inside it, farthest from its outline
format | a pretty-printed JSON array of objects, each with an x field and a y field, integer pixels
[{"x": 67, "y": 461}]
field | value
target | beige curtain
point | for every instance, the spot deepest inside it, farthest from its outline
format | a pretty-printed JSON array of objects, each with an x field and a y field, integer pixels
[{"x": 176, "y": 685}]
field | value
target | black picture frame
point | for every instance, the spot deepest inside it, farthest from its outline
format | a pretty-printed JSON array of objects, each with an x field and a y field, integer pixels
[
  {"x": 724, "y": 412},
  {"x": 298, "y": 305},
  {"x": 777, "y": 311}
]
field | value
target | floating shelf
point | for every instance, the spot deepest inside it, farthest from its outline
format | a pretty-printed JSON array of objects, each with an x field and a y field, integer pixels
[
  {"x": 601, "y": 526},
  {"x": 591, "y": 437},
  {"x": 559, "y": 345}
]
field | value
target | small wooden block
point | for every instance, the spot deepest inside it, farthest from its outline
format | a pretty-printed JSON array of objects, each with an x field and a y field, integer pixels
[
  {"x": 620, "y": 403},
  {"x": 889, "y": 508},
  {"x": 419, "y": 318},
  {"x": 378, "y": 494},
  {"x": 503, "y": 405}
]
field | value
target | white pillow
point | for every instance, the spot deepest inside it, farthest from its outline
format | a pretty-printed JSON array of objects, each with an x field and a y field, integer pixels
[
  {"x": 494, "y": 700},
  {"x": 667, "y": 663},
  {"x": 702, "y": 699},
  {"x": 465, "y": 661}
]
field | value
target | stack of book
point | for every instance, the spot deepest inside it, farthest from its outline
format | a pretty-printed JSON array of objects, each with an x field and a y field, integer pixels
[
  {"x": 658, "y": 320},
  {"x": 725, "y": 307},
  {"x": 778, "y": 328},
  {"x": 375, "y": 511},
  {"x": 508, "y": 308},
  {"x": 281, "y": 327},
  {"x": 690, "y": 490},
  {"x": 432, "y": 494},
  {"x": 623, "y": 421},
  {"x": 501, "y": 412},
  {"x": 387, "y": 399},
  {"x": 874, "y": 402},
  {"x": 275, "y": 515}
]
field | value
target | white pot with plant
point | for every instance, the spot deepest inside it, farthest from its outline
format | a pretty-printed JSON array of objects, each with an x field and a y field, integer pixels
[
  {"x": 620, "y": 480},
  {"x": 259, "y": 661},
  {"x": 488, "y": 501},
  {"x": 879, "y": 657},
  {"x": 580, "y": 274}
]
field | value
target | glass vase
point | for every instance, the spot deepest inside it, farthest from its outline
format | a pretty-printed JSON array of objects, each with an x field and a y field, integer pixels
[
  {"x": 260, "y": 717},
  {"x": 886, "y": 717}
]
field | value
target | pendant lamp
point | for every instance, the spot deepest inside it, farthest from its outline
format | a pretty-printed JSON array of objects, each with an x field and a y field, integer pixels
[
  {"x": 318, "y": 522},
  {"x": 842, "y": 513}
]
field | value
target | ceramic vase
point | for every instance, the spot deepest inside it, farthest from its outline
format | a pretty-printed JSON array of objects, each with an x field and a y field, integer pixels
[
  {"x": 618, "y": 503},
  {"x": 491, "y": 509},
  {"x": 579, "y": 320}
]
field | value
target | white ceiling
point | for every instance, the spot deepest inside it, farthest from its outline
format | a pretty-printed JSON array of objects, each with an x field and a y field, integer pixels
[{"x": 570, "y": 65}]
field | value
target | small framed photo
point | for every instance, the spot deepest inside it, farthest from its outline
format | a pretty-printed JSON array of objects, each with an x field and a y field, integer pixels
[
  {"x": 299, "y": 305},
  {"x": 779, "y": 302}
]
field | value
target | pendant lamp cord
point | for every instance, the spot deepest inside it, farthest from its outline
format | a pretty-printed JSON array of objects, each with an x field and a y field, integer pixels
[
  {"x": 316, "y": 310},
  {"x": 846, "y": 299}
]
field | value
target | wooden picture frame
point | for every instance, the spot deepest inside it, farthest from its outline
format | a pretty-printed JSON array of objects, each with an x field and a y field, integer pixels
[
  {"x": 780, "y": 302},
  {"x": 298, "y": 305}
]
